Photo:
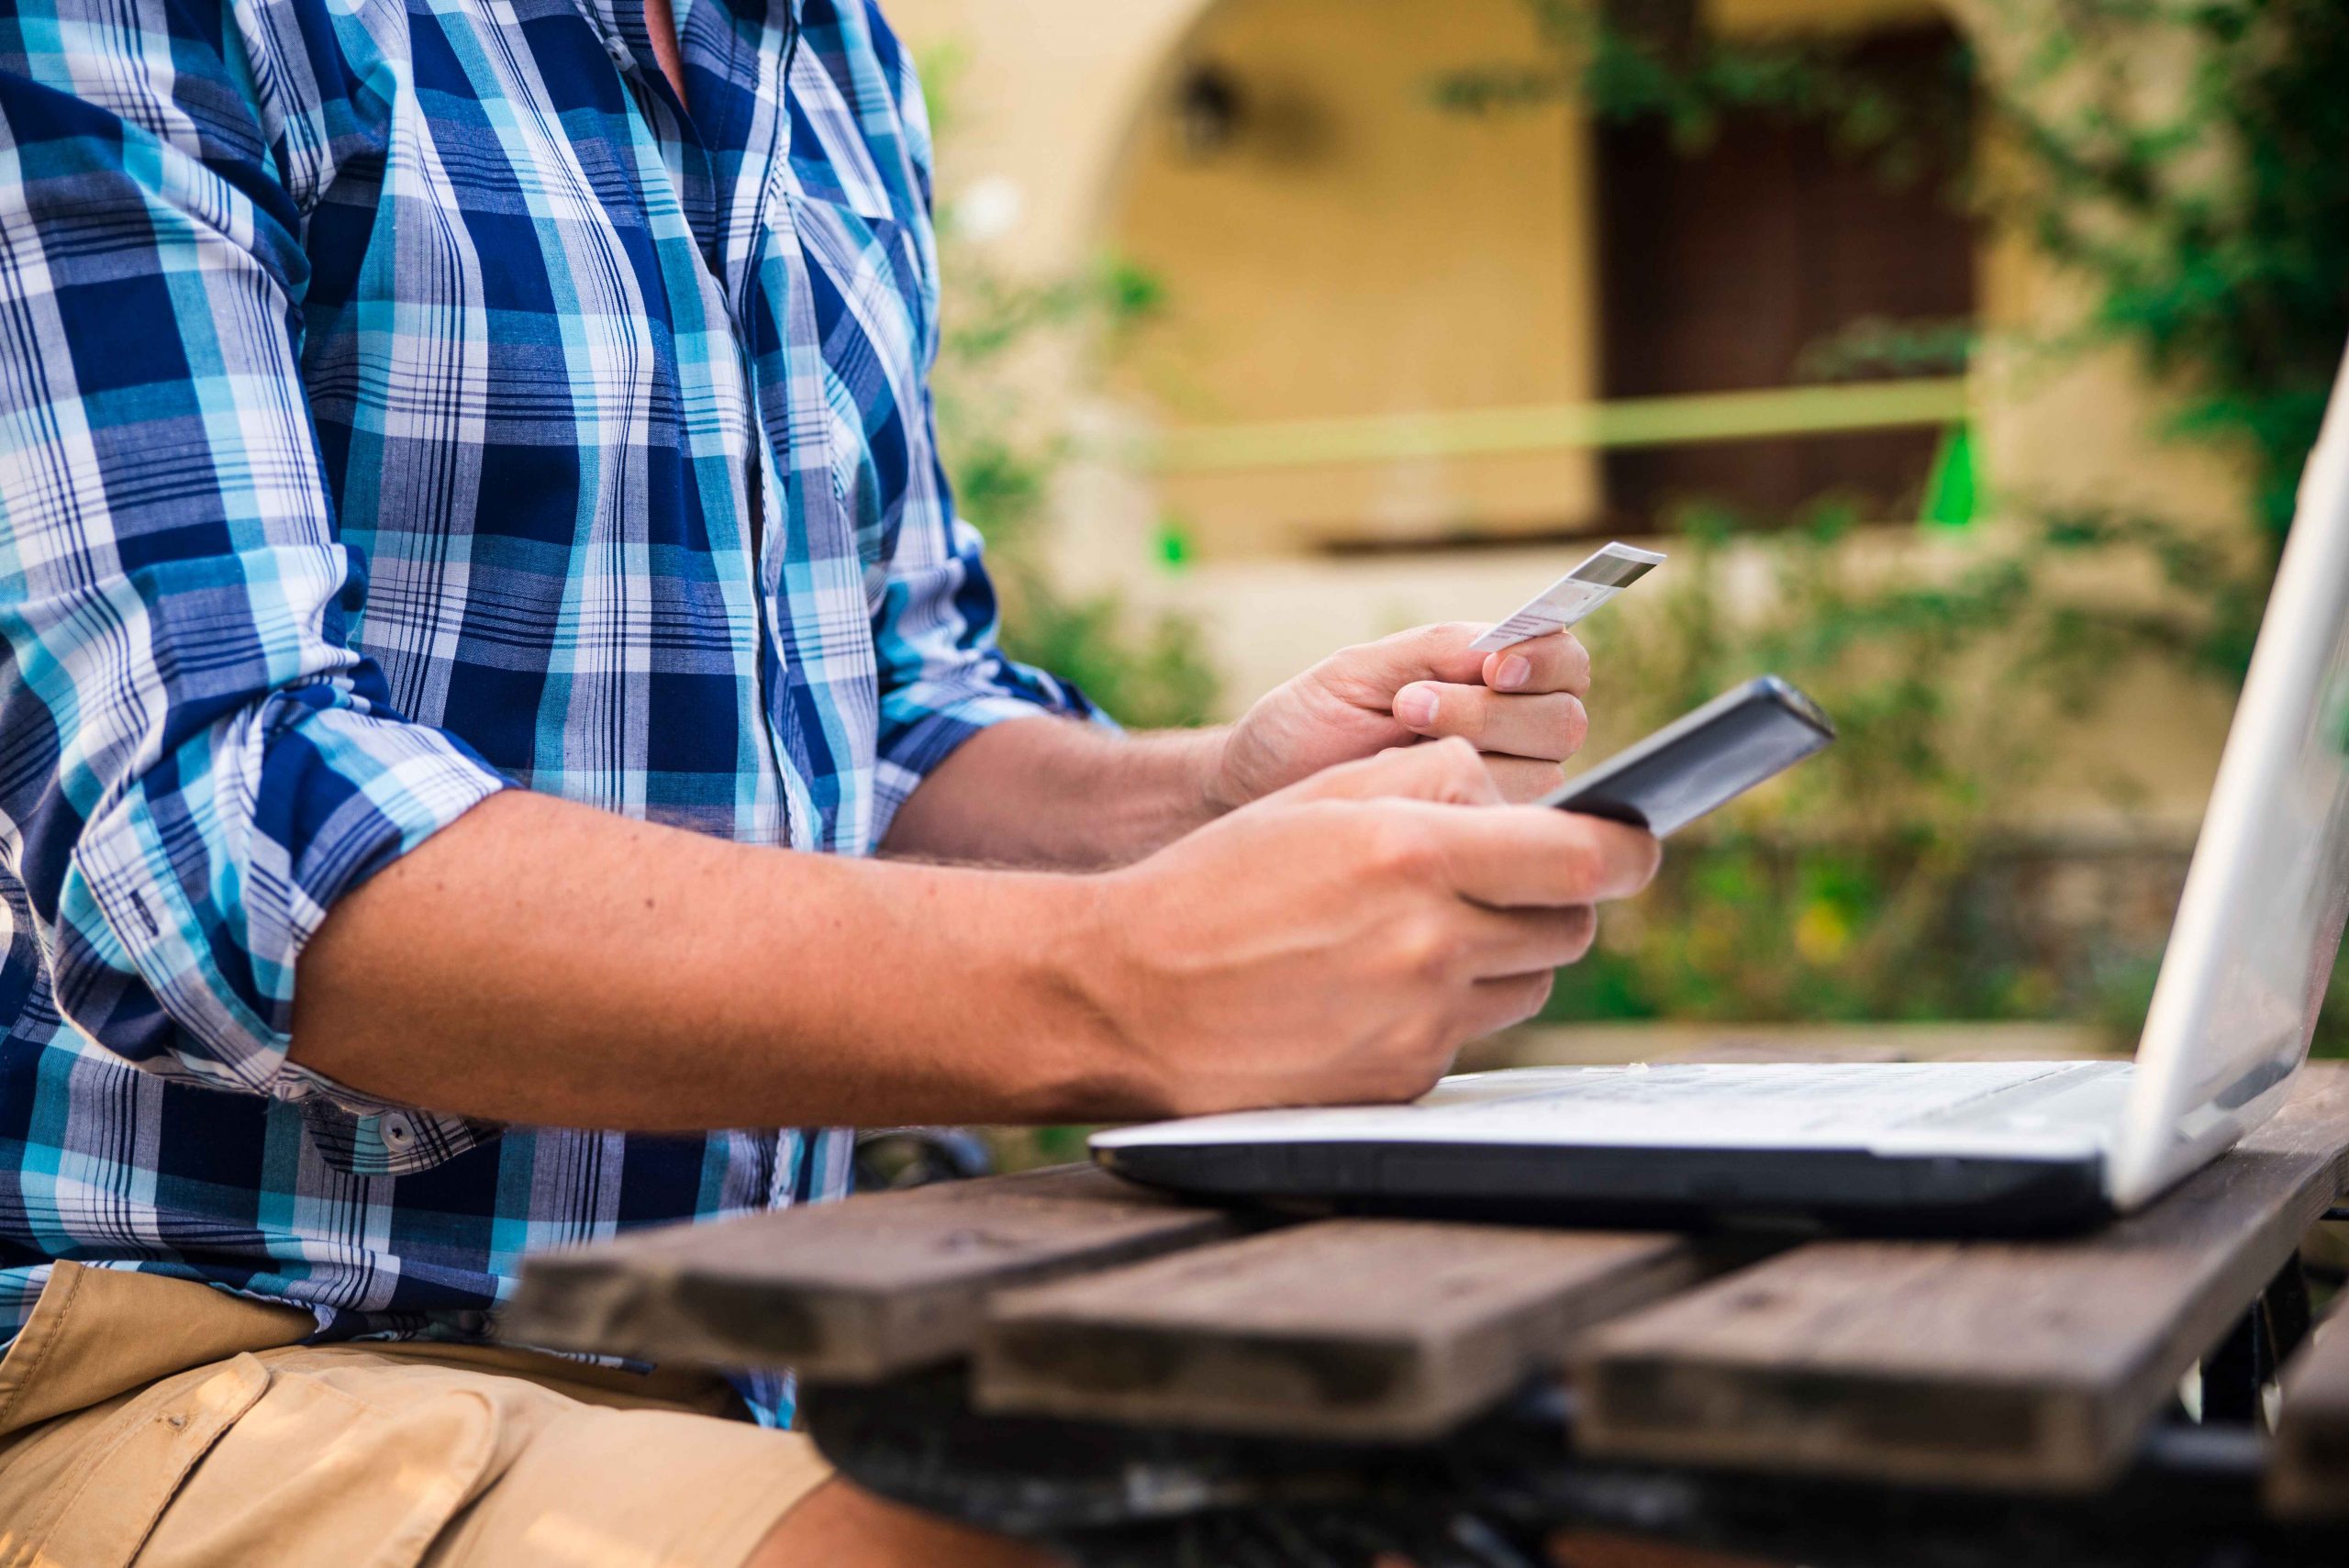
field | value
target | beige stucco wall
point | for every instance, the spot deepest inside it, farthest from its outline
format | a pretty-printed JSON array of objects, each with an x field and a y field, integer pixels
[
  {"x": 1360, "y": 251},
  {"x": 1046, "y": 97},
  {"x": 1063, "y": 102}
]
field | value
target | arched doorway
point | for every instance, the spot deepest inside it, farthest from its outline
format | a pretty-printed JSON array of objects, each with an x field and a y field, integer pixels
[{"x": 1389, "y": 324}]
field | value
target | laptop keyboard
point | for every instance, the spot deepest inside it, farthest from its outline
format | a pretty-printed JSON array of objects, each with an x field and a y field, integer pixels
[{"x": 1710, "y": 1102}]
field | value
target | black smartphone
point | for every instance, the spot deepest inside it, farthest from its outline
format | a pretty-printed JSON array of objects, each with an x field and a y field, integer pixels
[{"x": 1703, "y": 760}]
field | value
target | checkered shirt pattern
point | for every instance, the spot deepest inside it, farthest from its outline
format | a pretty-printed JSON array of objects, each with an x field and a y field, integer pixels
[{"x": 402, "y": 400}]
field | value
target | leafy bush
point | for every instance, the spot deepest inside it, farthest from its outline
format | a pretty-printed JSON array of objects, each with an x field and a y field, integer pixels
[
  {"x": 2180, "y": 161},
  {"x": 1879, "y": 881}
]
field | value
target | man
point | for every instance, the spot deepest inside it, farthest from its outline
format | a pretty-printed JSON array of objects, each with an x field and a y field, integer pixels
[{"x": 404, "y": 404}]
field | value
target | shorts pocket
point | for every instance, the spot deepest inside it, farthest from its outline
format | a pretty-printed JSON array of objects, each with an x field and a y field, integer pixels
[
  {"x": 305, "y": 1471},
  {"x": 136, "y": 1462}
]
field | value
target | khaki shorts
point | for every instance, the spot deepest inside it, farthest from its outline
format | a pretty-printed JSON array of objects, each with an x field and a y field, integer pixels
[{"x": 164, "y": 1423}]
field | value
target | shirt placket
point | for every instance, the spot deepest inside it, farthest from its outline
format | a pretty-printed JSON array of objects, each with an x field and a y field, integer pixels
[
  {"x": 792, "y": 464},
  {"x": 749, "y": 134},
  {"x": 811, "y": 575},
  {"x": 727, "y": 162}
]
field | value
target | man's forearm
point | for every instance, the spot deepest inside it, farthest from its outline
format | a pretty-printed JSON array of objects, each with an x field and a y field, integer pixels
[
  {"x": 546, "y": 963},
  {"x": 1052, "y": 791}
]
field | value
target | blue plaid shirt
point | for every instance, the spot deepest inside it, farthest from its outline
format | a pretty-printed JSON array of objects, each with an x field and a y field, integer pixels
[{"x": 400, "y": 402}]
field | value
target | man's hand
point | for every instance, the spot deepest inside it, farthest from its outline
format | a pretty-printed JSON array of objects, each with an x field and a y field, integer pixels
[
  {"x": 1521, "y": 706},
  {"x": 1047, "y": 792},
  {"x": 1339, "y": 941}
]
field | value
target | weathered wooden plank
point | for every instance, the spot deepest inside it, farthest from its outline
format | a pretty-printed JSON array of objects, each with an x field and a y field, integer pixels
[
  {"x": 853, "y": 1291},
  {"x": 1344, "y": 1328},
  {"x": 2025, "y": 1364},
  {"x": 2307, "y": 1476}
]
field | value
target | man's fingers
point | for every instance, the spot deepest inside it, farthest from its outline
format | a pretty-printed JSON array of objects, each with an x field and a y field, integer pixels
[
  {"x": 1557, "y": 662},
  {"x": 1522, "y": 780},
  {"x": 1550, "y": 727},
  {"x": 1450, "y": 772},
  {"x": 1530, "y": 856},
  {"x": 1494, "y": 1005},
  {"x": 1437, "y": 652},
  {"x": 1520, "y": 941}
]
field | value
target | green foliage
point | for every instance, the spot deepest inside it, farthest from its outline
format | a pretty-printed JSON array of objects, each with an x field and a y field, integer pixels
[
  {"x": 2181, "y": 161},
  {"x": 1146, "y": 670},
  {"x": 2213, "y": 217},
  {"x": 1656, "y": 61},
  {"x": 2209, "y": 214},
  {"x": 1862, "y": 884}
]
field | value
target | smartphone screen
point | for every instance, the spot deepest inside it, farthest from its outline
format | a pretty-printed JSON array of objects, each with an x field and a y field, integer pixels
[{"x": 1702, "y": 761}]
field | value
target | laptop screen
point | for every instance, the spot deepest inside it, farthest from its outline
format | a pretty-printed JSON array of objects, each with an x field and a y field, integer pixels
[{"x": 2260, "y": 920}]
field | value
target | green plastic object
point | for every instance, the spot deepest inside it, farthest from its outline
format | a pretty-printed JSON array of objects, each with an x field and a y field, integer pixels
[
  {"x": 1954, "y": 486},
  {"x": 1174, "y": 545}
]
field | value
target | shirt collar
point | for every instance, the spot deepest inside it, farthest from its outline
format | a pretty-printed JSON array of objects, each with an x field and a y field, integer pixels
[{"x": 622, "y": 21}]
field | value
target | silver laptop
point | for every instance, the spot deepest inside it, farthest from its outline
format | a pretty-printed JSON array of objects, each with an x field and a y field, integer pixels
[{"x": 1973, "y": 1146}]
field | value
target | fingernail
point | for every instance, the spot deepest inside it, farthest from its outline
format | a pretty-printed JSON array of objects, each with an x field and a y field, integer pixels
[
  {"x": 1415, "y": 706},
  {"x": 1514, "y": 671}
]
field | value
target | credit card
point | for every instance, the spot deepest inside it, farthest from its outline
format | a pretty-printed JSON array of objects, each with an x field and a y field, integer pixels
[{"x": 1610, "y": 571}]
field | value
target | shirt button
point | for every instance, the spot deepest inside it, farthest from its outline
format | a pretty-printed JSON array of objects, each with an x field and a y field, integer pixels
[{"x": 397, "y": 1132}]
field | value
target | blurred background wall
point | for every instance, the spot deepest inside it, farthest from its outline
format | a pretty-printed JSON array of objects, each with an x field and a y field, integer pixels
[{"x": 1279, "y": 324}]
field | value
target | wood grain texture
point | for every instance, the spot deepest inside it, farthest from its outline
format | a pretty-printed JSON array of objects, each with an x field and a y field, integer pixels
[
  {"x": 2025, "y": 1364},
  {"x": 2309, "y": 1474},
  {"x": 854, "y": 1291},
  {"x": 1344, "y": 1328}
]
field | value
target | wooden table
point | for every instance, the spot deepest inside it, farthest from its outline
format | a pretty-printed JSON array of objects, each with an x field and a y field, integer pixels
[{"x": 1143, "y": 1381}]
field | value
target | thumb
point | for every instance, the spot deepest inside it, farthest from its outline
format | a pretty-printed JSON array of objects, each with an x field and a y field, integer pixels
[
  {"x": 1439, "y": 652},
  {"x": 1449, "y": 772}
]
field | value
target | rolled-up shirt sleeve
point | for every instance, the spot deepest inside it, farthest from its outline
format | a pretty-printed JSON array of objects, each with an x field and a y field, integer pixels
[
  {"x": 943, "y": 678},
  {"x": 198, "y": 764}
]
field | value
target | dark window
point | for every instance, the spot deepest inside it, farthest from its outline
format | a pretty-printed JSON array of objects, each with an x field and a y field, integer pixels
[{"x": 1729, "y": 266}]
